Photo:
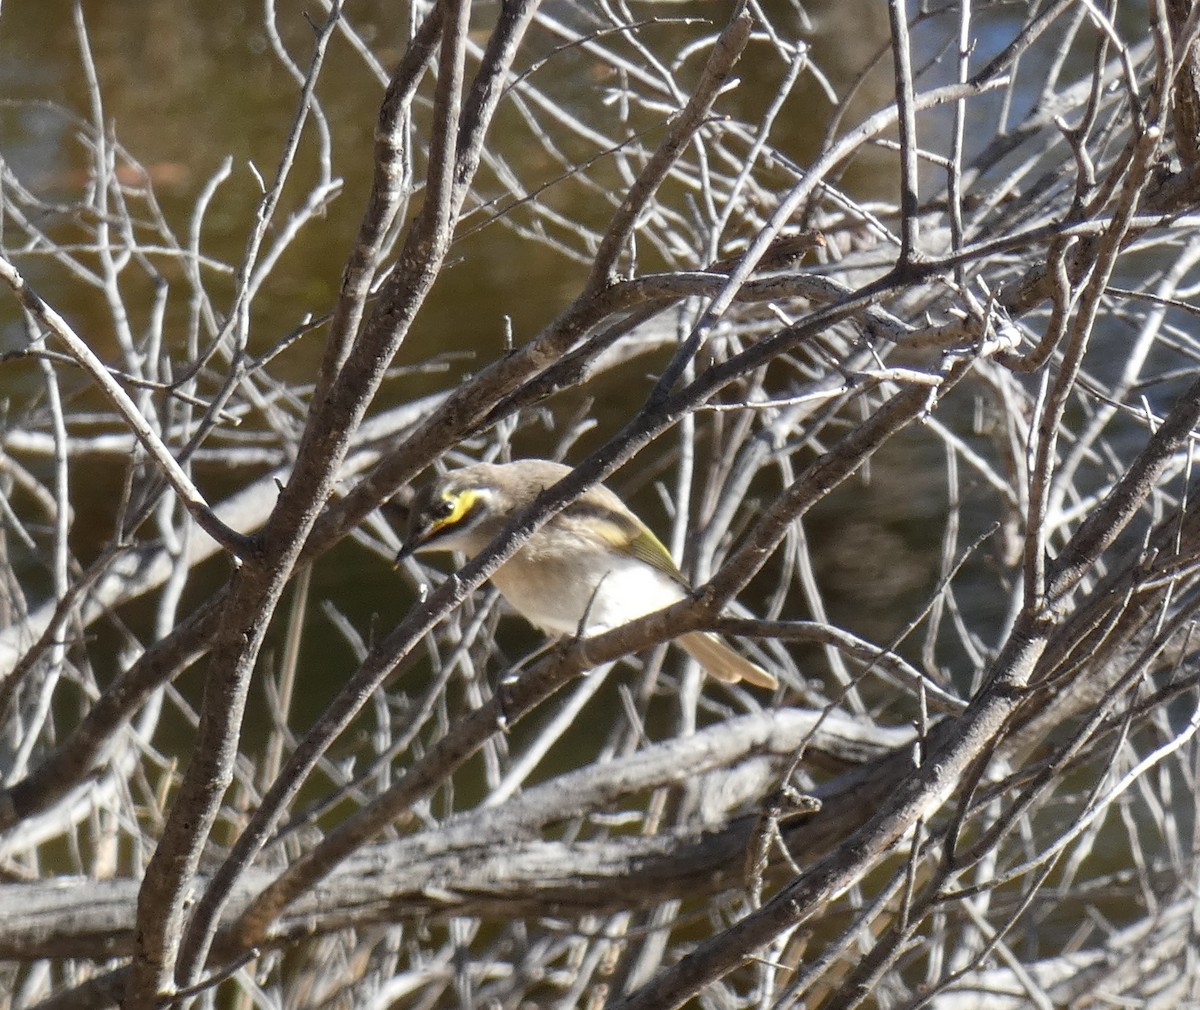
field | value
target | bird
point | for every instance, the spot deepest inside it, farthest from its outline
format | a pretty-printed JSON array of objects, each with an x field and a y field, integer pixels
[{"x": 591, "y": 568}]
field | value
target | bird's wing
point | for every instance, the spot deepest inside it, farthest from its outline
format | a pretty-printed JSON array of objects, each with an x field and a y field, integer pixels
[
  {"x": 627, "y": 533},
  {"x": 645, "y": 546}
]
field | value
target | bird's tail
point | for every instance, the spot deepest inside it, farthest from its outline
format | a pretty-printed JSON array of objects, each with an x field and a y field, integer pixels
[{"x": 722, "y": 662}]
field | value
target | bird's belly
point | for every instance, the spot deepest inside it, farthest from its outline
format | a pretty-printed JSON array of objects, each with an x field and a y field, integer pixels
[{"x": 556, "y": 596}]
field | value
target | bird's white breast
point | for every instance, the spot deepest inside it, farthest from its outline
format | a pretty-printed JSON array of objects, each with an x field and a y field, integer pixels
[{"x": 554, "y": 594}]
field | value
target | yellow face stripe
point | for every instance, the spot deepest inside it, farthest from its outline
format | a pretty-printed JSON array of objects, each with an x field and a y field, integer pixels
[{"x": 462, "y": 501}]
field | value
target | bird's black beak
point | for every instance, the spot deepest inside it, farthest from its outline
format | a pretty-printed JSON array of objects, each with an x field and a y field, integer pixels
[
  {"x": 416, "y": 538},
  {"x": 414, "y": 526},
  {"x": 407, "y": 549}
]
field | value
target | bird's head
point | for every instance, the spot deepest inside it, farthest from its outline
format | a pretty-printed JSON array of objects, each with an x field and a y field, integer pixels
[
  {"x": 464, "y": 509},
  {"x": 456, "y": 512}
]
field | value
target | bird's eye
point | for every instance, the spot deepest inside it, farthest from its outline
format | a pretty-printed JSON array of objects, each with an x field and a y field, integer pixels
[{"x": 443, "y": 509}]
